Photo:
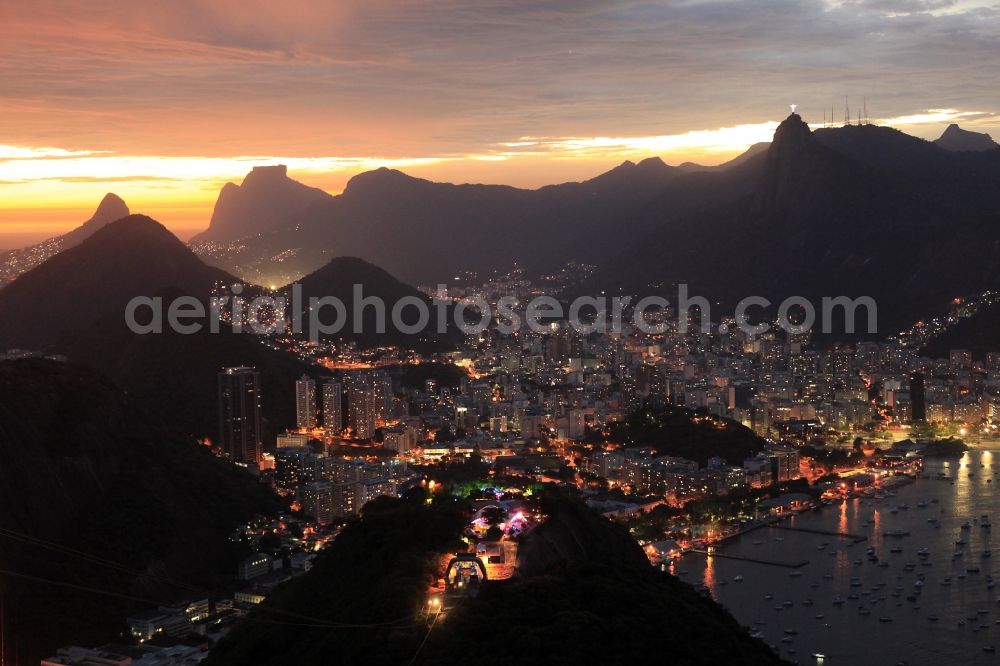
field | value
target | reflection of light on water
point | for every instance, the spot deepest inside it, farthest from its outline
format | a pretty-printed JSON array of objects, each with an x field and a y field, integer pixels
[
  {"x": 856, "y": 638},
  {"x": 963, "y": 486}
]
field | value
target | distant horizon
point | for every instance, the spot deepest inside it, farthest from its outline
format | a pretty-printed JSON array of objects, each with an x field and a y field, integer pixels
[{"x": 187, "y": 215}]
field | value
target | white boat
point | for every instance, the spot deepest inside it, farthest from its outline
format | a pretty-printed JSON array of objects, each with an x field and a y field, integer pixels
[{"x": 737, "y": 579}]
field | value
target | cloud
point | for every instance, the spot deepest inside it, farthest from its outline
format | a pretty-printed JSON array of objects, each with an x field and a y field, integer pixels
[
  {"x": 181, "y": 169},
  {"x": 28, "y": 152},
  {"x": 448, "y": 77}
]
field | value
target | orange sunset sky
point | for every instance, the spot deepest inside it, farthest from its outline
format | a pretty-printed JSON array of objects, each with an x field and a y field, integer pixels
[{"x": 162, "y": 103}]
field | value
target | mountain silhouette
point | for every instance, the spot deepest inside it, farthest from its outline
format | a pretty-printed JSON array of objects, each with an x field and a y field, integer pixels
[
  {"x": 133, "y": 256},
  {"x": 858, "y": 210},
  {"x": 337, "y": 279},
  {"x": 74, "y": 304},
  {"x": 266, "y": 200},
  {"x": 855, "y": 211},
  {"x": 422, "y": 231},
  {"x": 15, "y": 262},
  {"x": 956, "y": 138}
]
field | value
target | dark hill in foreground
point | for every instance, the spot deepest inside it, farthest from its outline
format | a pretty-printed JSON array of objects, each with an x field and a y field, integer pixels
[
  {"x": 88, "y": 470},
  {"x": 174, "y": 376},
  {"x": 587, "y": 606},
  {"x": 585, "y": 594}
]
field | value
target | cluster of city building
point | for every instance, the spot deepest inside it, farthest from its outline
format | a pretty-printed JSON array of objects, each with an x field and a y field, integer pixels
[
  {"x": 522, "y": 402},
  {"x": 677, "y": 479}
]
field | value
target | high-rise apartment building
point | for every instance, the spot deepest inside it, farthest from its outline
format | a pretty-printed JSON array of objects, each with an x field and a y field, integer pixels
[
  {"x": 361, "y": 406},
  {"x": 239, "y": 414},
  {"x": 333, "y": 417},
  {"x": 305, "y": 403}
]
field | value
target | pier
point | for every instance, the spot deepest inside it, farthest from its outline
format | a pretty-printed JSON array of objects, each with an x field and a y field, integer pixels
[
  {"x": 855, "y": 538},
  {"x": 754, "y": 560}
]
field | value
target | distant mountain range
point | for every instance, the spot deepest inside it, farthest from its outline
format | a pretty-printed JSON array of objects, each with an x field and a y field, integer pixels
[
  {"x": 423, "y": 231},
  {"x": 15, "y": 262},
  {"x": 857, "y": 210},
  {"x": 854, "y": 210}
]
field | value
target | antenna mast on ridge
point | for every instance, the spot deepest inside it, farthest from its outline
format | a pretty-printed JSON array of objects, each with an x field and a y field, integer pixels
[{"x": 847, "y": 112}]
